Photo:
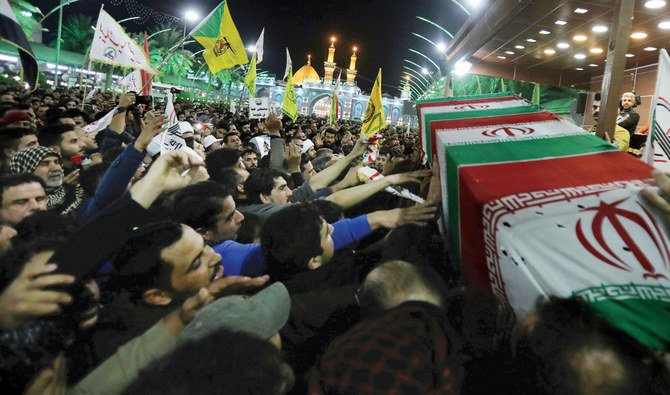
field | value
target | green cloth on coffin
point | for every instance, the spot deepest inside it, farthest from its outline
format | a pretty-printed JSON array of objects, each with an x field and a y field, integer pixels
[
  {"x": 468, "y": 114},
  {"x": 446, "y": 100},
  {"x": 508, "y": 151}
]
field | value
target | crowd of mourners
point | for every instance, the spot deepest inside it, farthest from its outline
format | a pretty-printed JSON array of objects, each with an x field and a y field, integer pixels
[{"x": 261, "y": 260}]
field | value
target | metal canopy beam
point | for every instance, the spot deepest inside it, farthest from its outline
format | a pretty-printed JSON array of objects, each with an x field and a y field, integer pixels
[
  {"x": 482, "y": 26},
  {"x": 622, "y": 23}
]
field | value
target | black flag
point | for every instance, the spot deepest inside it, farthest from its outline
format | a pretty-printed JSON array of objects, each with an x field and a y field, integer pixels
[{"x": 12, "y": 34}]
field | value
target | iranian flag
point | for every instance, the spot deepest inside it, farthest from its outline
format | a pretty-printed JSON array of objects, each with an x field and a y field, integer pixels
[
  {"x": 464, "y": 107},
  {"x": 441, "y": 125},
  {"x": 492, "y": 130},
  {"x": 429, "y": 118},
  {"x": 525, "y": 151},
  {"x": 567, "y": 227}
]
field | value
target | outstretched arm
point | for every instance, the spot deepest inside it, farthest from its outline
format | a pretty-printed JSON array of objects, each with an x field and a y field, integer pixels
[
  {"x": 326, "y": 176},
  {"x": 350, "y": 197}
]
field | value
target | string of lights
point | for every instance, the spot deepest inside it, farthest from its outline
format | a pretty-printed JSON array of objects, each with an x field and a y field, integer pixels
[{"x": 137, "y": 8}]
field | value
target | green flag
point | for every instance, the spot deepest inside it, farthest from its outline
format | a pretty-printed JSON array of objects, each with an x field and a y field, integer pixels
[
  {"x": 503, "y": 87},
  {"x": 218, "y": 35},
  {"x": 289, "y": 106},
  {"x": 536, "y": 95},
  {"x": 250, "y": 79}
]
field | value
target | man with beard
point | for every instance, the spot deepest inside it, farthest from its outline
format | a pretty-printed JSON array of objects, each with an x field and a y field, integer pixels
[
  {"x": 45, "y": 163},
  {"x": 63, "y": 139}
]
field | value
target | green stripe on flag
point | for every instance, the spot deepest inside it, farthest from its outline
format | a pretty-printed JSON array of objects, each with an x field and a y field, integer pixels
[
  {"x": 508, "y": 151},
  {"x": 645, "y": 320},
  {"x": 428, "y": 118},
  {"x": 466, "y": 97}
]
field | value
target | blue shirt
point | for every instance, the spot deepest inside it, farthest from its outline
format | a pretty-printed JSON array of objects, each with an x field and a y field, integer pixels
[{"x": 247, "y": 259}]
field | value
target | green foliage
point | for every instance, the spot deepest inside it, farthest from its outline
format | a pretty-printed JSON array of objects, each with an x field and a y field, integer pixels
[
  {"x": 160, "y": 45},
  {"x": 76, "y": 34},
  {"x": 554, "y": 99},
  {"x": 229, "y": 76}
]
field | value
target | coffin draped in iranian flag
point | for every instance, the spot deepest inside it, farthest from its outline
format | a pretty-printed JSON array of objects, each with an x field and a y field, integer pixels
[
  {"x": 466, "y": 107},
  {"x": 568, "y": 226},
  {"x": 536, "y": 207},
  {"x": 496, "y": 139}
]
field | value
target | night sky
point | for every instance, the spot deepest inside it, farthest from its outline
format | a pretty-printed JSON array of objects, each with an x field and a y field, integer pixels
[{"x": 382, "y": 30}]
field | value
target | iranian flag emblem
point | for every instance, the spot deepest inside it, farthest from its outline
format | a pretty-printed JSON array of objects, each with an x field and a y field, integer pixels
[{"x": 602, "y": 244}]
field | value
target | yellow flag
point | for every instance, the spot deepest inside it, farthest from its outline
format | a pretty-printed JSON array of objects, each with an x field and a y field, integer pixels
[
  {"x": 289, "y": 106},
  {"x": 250, "y": 79},
  {"x": 218, "y": 35},
  {"x": 374, "y": 120}
]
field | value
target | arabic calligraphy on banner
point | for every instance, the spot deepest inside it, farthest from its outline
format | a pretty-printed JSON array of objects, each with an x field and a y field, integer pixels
[
  {"x": 132, "y": 82},
  {"x": 112, "y": 45}
]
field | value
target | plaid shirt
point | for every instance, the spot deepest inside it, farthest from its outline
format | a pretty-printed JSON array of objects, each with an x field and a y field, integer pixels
[{"x": 403, "y": 351}]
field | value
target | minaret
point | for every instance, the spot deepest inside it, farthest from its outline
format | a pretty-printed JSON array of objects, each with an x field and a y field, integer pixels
[
  {"x": 329, "y": 65},
  {"x": 351, "y": 71}
]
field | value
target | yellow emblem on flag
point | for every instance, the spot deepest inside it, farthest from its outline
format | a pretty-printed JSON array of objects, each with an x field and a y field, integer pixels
[
  {"x": 289, "y": 106},
  {"x": 218, "y": 35},
  {"x": 250, "y": 79}
]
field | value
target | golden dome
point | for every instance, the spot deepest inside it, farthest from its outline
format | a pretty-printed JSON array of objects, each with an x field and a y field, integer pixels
[{"x": 306, "y": 73}]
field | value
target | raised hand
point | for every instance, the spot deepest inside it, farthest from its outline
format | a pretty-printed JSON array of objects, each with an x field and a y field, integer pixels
[
  {"x": 410, "y": 176},
  {"x": 72, "y": 178},
  {"x": 28, "y": 297},
  {"x": 660, "y": 199},
  {"x": 171, "y": 171},
  {"x": 273, "y": 124},
  {"x": 127, "y": 99},
  {"x": 235, "y": 285},
  {"x": 393, "y": 218},
  {"x": 293, "y": 157},
  {"x": 51, "y": 380},
  {"x": 359, "y": 148},
  {"x": 155, "y": 125}
]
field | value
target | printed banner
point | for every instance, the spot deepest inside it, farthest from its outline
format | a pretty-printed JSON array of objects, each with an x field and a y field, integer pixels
[
  {"x": 100, "y": 123},
  {"x": 112, "y": 45},
  {"x": 259, "y": 108},
  {"x": 132, "y": 82}
]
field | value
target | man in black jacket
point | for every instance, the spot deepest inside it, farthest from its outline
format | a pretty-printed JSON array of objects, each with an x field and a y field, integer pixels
[{"x": 628, "y": 118}]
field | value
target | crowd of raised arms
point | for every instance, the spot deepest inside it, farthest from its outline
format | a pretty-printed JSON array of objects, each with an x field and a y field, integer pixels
[{"x": 264, "y": 260}]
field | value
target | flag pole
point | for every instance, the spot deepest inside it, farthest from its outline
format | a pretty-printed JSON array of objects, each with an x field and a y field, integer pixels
[{"x": 85, "y": 86}]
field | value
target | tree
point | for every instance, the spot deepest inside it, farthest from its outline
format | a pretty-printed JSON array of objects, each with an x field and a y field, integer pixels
[
  {"x": 77, "y": 34},
  {"x": 160, "y": 45}
]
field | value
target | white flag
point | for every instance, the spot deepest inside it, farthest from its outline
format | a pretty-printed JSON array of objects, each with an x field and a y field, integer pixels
[
  {"x": 657, "y": 148},
  {"x": 368, "y": 174},
  {"x": 132, "y": 82},
  {"x": 113, "y": 46},
  {"x": 288, "y": 64},
  {"x": 100, "y": 123},
  {"x": 90, "y": 94},
  {"x": 172, "y": 139},
  {"x": 259, "y": 47}
]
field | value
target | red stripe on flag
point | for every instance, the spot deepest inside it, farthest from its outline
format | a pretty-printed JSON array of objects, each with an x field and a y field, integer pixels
[
  {"x": 146, "y": 77},
  {"x": 468, "y": 101},
  {"x": 487, "y": 121},
  {"x": 481, "y": 184}
]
